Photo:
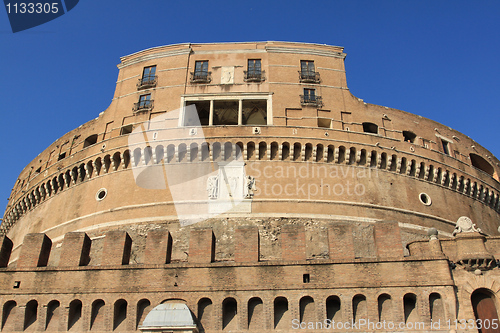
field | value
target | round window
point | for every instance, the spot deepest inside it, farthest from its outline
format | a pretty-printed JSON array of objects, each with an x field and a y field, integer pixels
[
  {"x": 101, "y": 194},
  {"x": 425, "y": 199}
]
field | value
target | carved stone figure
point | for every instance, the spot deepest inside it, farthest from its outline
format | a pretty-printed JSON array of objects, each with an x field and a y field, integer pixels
[
  {"x": 250, "y": 188},
  {"x": 213, "y": 187}
]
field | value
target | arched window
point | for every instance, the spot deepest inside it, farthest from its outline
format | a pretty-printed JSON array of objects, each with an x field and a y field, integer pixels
[
  {"x": 90, "y": 140},
  {"x": 9, "y": 315},
  {"x": 480, "y": 163},
  {"x": 30, "y": 314},
  {"x": 120, "y": 315},
  {"x": 384, "y": 307},
  {"x": 205, "y": 308},
  {"x": 436, "y": 307},
  {"x": 229, "y": 314},
  {"x": 75, "y": 313},
  {"x": 255, "y": 314},
  {"x": 359, "y": 309},
  {"x": 307, "y": 309},
  {"x": 142, "y": 310},
  {"x": 97, "y": 315},
  {"x": 281, "y": 314},
  {"x": 333, "y": 308},
  {"x": 53, "y": 315},
  {"x": 410, "y": 308}
]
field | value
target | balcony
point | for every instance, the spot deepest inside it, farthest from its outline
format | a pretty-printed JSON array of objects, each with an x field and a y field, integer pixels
[
  {"x": 311, "y": 100},
  {"x": 201, "y": 77},
  {"x": 146, "y": 105},
  {"x": 148, "y": 81},
  {"x": 309, "y": 77},
  {"x": 254, "y": 76}
]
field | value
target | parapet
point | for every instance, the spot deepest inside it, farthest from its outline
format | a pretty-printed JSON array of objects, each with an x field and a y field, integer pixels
[{"x": 117, "y": 248}]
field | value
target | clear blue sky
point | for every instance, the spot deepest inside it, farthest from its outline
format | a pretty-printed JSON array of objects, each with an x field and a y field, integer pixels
[{"x": 438, "y": 59}]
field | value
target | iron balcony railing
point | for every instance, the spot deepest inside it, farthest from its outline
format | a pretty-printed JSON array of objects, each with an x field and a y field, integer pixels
[
  {"x": 201, "y": 77},
  {"x": 147, "y": 81},
  {"x": 143, "y": 106},
  {"x": 309, "y": 77},
  {"x": 311, "y": 100},
  {"x": 254, "y": 76}
]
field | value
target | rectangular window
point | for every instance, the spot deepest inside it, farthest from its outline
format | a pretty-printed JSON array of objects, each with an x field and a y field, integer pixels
[
  {"x": 254, "y": 66},
  {"x": 145, "y": 103},
  {"x": 148, "y": 79},
  {"x": 307, "y": 72},
  {"x": 446, "y": 149},
  {"x": 149, "y": 74},
  {"x": 201, "y": 73},
  {"x": 309, "y": 95},
  {"x": 307, "y": 66}
]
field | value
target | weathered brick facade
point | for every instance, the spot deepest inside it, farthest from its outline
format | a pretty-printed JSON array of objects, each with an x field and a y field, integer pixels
[{"x": 272, "y": 200}]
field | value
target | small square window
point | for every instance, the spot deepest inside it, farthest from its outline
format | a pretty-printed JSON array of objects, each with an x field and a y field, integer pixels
[
  {"x": 61, "y": 156},
  {"x": 126, "y": 129},
  {"x": 306, "y": 278},
  {"x": 17, "y": 284}
]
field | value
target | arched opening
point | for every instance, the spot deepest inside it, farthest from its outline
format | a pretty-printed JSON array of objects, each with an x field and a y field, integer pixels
[
  {"x": 9, "y": 315},
  {"x": 480, "y": 163},
  {"x": 409, "y": 136},
  {"x": 137, "y": 156},
  {"x": 239, "y": 151},
  {"x": 262, "y": 150},
  {"x": 170, "y": 153},
  {"x": 307, "y": 309},
  {"x": 384, "y": 307},
  {"x": 255, "y": 314},
  {"x": 74, "y": 315},
  {"x": 297, "y": 150},
  {"x": 205, "y": 308},
  {"x": 250, "y": 150},
  {"x": 285, "y": 151},
  {"x": 281, "y": 314},
  {"x": 308, "y": 152},
  {"x": 274, "y": 150},
  {"x": 483, "y": 304},
  {"x": 97, "y": 315},
  {"x": 410, "y": 308},
  {"x": 90, "y": 140},
  {"x": 359, "y": 309},
  {"x": 229, "y": 314},
  {"x": 159, "y": 152},
  {"x": 319, "y": 153},
  {"x": 182, "y": 152},
  {"x": 205, "y": 151},
  {"x": 143, "y": 307},
  {"x": 333, "y": 308},
  {"x": 53, "y": 315},
  {"x": 370, "y": 128},
  {"x": 120, "y": 315},
  {"x": 30, "y": 314},
  {"x": 330, "y": 155},
  {"x": 148, "y": 155},
  {"x": 193, "y": 154},
  {"x": 436, "y": 307}
]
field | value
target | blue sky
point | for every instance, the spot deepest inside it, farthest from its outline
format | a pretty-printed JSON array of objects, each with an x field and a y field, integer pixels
[{"x": 438, "y": 59}]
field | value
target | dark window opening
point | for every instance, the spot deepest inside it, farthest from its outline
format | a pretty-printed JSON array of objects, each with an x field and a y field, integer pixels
[
  {"x": 126, "y": 129},
  {"x": 254, "y": 112},
  {"x": 39, "y": 170},
  {"x": 17, "y": 284},
  {"x": 409, "y": 136},
  {"x": 203, "y": 112},
  {"x": 61, "y": 156},
  {"x": 324, "y": 123},
  {"x": 254, "y": 71},
  {"x": 201, "y": 73},
  {"x": 481, "y": 164},
  {"x": 370, "y": 128},
  {"x": 306, "y": 278},
  {"x": 225, "y": 113},
  {"x": 307, "y": 72},
  {"x": 446, "y": 149},
  {"x": 89, "y": 141}
]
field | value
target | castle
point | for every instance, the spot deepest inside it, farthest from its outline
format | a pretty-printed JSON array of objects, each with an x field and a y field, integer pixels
[{"x": 236, "y": 187}]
